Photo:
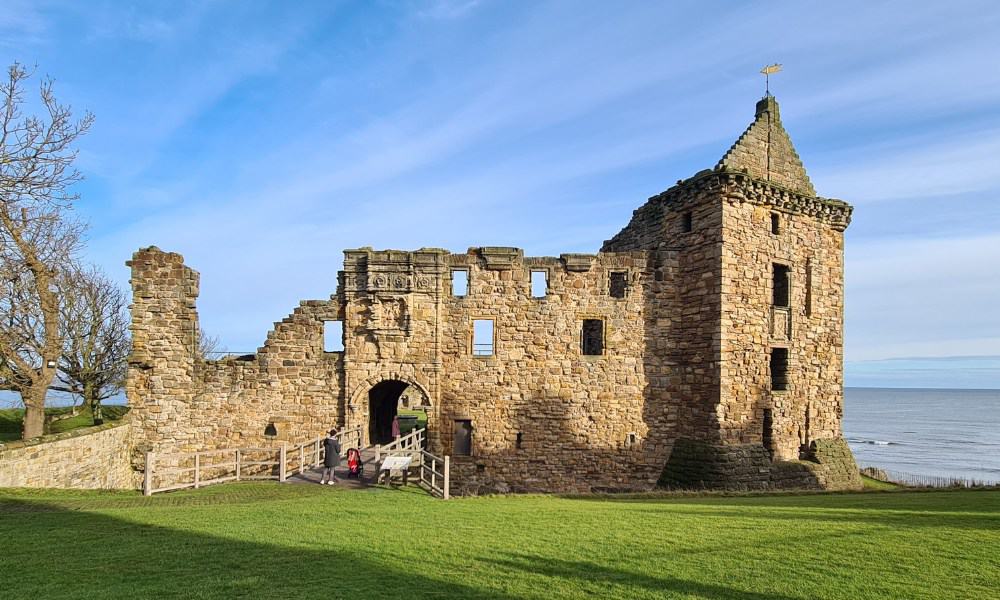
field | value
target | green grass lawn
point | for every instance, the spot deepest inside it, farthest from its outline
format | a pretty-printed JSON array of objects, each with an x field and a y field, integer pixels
[
  {"x": 272, "y": 540},
  {"x": 11, "y": 419},
  {"x": 421, "y": 419}
]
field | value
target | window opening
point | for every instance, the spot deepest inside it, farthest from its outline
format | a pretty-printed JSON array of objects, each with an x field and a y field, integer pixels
[
  {"x": 459, "y": 283},
  {"x": 779, "y": 369},
  {"x": 618, "y": 282},
  {"x": 766, "y": 438},
  {"x": 482, "y": 337},
  {"x": 519, "y": 440},
  {"x": 270, "y": 431},
  {"x": 539, "y": 284},
  {"x": 592, "y": 337},
  {"x": 333, "y": 336},
  {"x": 809, "y": 287},
  {"x": 462, "y": 441},
  {"x": 775, "y": 223},
  {"x": 687, "y": 222},
  {"x": 780, "y": 285}
]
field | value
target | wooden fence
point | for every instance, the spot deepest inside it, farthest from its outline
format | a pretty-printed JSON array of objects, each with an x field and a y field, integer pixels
[
  {"x": 175, "y": 471},
  {"x": 434, "y": 472}
]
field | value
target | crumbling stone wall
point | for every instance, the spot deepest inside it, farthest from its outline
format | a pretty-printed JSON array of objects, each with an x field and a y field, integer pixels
[{"x": 182, "y": 402}]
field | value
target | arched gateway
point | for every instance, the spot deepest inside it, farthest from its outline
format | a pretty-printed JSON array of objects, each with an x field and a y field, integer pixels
[{"x": 380, "y": 400}]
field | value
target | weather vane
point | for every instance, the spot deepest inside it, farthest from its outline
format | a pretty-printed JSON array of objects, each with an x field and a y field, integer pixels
[{"x": 766, "y": 72}]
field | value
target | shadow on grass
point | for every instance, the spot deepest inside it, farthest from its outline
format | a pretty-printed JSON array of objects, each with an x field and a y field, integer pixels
[
  {"x": 60, "y": 553},
  {"x": 962, "y": 509},
  {"x": 602, "y": 574}
]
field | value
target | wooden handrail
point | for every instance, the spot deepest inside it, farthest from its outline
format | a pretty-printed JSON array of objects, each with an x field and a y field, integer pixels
[{"x": 233, "y": 470}]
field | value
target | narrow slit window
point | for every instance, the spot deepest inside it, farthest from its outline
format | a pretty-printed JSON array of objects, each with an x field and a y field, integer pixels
[
  {"x": 779, "y": 369},
  {"x": 687, "y": 222},
  {"x": 618, "y": 282},
  {"x": 766, "y": 435},
  {"x": 780, "y": 285},
  {"x": 519, "y": 440},
  {"x": 539, "y": 284},
  {"x": 333, "y": 336},
  {"x": 482, "y": 337},
  {"x": 462, "y": 440},
  {"x": 775, "y": 223},
  {"x": 809, "y": 287},
  {"x": 459, "y": 283},
  {"x": 592, "y": 337}
]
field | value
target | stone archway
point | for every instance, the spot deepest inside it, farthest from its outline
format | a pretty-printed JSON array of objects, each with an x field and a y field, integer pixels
[
  {"x": 376, "y": 401},
  {"x": 383, "y": 406}
]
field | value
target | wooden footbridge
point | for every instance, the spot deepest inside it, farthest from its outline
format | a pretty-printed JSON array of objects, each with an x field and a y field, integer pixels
[{"x": 300, "y": 463}]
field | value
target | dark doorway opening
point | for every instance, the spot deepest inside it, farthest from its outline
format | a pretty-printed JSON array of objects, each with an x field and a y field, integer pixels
[{"x": 383, "y": 402}]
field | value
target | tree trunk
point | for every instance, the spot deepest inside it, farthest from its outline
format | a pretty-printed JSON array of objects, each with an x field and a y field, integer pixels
[
  {"x": 91, "y": 399},
  {"x": 34, "y": 413}
]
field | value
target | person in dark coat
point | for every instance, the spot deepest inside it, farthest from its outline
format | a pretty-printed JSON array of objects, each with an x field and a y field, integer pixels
[{"x": 331, "y": 460}]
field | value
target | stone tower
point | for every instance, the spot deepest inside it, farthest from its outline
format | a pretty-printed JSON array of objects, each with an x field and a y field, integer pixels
[{"x": 762, "y": 297}]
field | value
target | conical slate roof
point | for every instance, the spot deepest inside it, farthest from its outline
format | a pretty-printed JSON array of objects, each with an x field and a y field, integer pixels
[{"x": 765, "y": 151}]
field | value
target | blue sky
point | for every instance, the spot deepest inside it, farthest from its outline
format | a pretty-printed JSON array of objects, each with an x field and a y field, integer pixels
[{"x": 261, "y": 139}]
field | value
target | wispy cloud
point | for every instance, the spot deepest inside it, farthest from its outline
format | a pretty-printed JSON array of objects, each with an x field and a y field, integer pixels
[{"x": 261, "y": 141}]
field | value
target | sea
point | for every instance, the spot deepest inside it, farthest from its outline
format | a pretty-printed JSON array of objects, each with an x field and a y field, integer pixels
[{"x": 926, "y": 432}]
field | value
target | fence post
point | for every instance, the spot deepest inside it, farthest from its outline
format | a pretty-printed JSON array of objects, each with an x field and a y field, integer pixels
[
  {"x": 378, "y": 452},
  {"x": 147, "y": 486},
  {"x": 447, "y": 476},
  {"x": 197, "y": 470},
  {"x": 281, "y": 463},
  {"x": 237, "y": 464},
  {"x": 316, "y": 456},
  {"x": 302, "y": 458}
]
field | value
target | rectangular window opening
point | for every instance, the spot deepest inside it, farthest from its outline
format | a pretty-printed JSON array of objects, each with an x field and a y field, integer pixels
[
  {"x": 775, "y": 223},
  {"x": 462, "y": 440},
  {"x": 592, "y": 337},
  {"x": 779, "y": 369},
  {"x": 687, "y": 223},
  {"x": 333, "y": 336},
  {"x": 482, "y": 337},
  {"x": 459, "y": 283},
  {"x": 618, "y": 282},
  {"x": 780, "y": 285},
  {"x": 539, "y": 284},
  {"x": 519, "y": 441}
]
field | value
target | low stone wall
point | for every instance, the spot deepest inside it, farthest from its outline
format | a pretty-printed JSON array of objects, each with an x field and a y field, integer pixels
[
  {"x": 832, "y": 467},
  {"x": 702, "y": 465},
  {"x": 91, "y": 458},
  {"x": 695, "y": 464}
]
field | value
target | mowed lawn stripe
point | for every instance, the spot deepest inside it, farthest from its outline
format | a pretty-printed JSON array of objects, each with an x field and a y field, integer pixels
[{"x": 267, "y": 540}]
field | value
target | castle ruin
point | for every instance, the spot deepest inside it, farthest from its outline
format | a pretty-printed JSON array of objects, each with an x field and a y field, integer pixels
[{"x": 701, "y": 347}]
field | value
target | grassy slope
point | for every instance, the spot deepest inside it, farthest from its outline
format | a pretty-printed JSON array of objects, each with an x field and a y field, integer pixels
[
  {"x": 297, "y": 541},
  {"x": 11, "y": 418}
]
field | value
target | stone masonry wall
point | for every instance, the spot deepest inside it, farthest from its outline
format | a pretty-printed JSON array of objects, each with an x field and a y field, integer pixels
[
  {"x": 92, "y": 458},
  {"x": 584, "y": 421},
  {"x": 812, "y": 406},
  {"x": 183, "y": 403},
  {"x": 684, "y": 221}
]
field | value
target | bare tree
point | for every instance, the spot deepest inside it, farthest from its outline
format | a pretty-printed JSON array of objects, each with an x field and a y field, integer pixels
[
  {"x": 94, "y": 321},
  {"x": 38, "y": 240},
  {"x": 208, "y": 346}
]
